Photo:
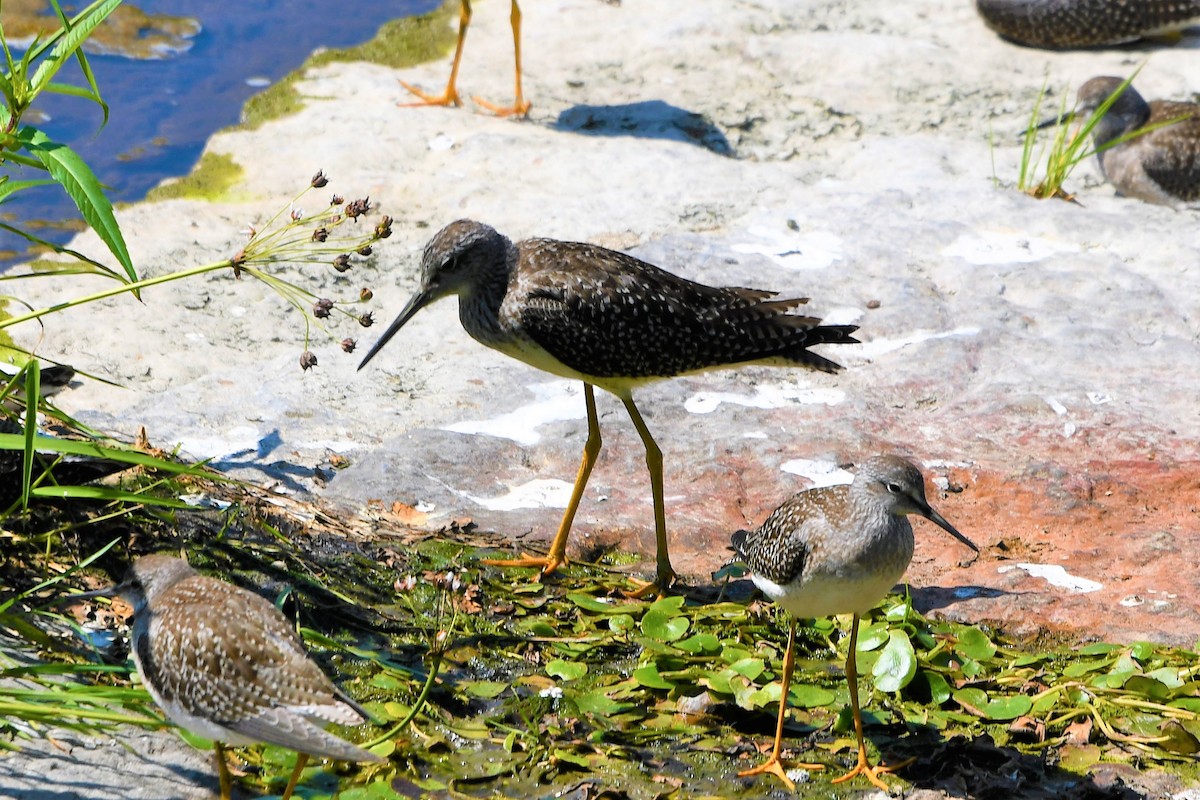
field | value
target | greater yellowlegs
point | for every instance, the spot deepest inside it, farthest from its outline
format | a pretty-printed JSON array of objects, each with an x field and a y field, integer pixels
[{"x": 605, "y": 318}]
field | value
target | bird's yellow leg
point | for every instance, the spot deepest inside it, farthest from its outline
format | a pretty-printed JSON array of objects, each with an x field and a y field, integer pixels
[
  {"x": 301, "y": 760},
  {"x": 665, "y": 575},
  {"x": 450, "y": 96},
  {"x": 863, "y": 767},
  {"x": 520, "y": 105},
  {"x": 773, "y": 765},
  {"x": 558, "y": 548},
  {"x": 223, "y": 776}
]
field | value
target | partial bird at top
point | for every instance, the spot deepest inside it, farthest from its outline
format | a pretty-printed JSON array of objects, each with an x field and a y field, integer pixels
[{"x": 450, "y": 96}]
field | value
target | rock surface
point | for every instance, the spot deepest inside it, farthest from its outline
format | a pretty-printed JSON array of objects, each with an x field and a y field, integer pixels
[{"x": 1039, "y": 357}]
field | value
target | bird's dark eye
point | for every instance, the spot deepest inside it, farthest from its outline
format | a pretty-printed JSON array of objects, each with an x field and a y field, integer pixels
[{"x": 894, "y": 488}]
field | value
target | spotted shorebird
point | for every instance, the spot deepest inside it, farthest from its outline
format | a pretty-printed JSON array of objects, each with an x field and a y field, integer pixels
[
  {"x": 450, "y": 96},
  {"x": 605, "y": 318},
  {"x": 225, "y": 664},
  {"x": 1059, "y": 24},
  {"x": 837, "y": 550},
  {"x": 1161, "y": 165}
]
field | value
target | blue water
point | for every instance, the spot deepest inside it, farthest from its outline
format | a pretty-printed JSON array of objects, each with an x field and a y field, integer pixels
[{"x": 161, "y": 112}]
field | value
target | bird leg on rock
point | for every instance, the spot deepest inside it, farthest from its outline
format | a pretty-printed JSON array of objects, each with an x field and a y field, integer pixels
[
  {"x": 450, "y": 96},
  {"x": 558, "y": 548},
  {"x": 520, "y": 105}
]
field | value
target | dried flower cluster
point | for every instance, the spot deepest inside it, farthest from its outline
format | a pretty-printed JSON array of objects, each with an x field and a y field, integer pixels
[{"x": 292, "y": 236}]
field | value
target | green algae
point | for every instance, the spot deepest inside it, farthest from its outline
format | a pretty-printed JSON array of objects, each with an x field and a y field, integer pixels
[{"x": 212, "y": 179}]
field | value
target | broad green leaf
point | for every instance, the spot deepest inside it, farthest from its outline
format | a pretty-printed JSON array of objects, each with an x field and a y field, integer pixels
[
  {"x": 699, "y": 643},
  {"x": 975, "y": 644},
  {"x": 566, "y": 670},
  {"x": 600, "y": 704},
  {"x": 648, "y": 676},
  {"x": 1168, "y": 676},
  {"x": 999, "y": 710},
  {"x": 486, "y": 689},
  {"x": 84, "y": 188},
  {"x": 1098, "y": 649},
  {"x": 663, "y": 623},
  {"x": 896, "y": 665},
  {"x": 750, "y": 668},
  {"x": 872, "y": 637},
  {"x": 805, "y": 695},
  {"x": 603, "y": 605},
  {"x": 939, "y": 689}
]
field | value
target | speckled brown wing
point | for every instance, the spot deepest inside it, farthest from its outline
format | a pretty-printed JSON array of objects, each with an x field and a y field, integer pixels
[
  {"x": 608, "y": 314},
  {"x": 782, "y": 547},
  {"x": 1174, "y": 163},
  {"x": 1084, "y": 23},
  {"x": 229, "y": 656}
]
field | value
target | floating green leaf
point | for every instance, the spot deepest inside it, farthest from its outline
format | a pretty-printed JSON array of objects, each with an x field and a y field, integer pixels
[
  {"x": 896, "y": 665},
  {"x": 566, "y": 670},
  {"x": 975, "y": 644}
]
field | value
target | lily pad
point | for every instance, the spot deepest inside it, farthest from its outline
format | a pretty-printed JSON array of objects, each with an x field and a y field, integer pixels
[
  {"x": 896, "y": 665},
  {"x": 566, "y": 670}
]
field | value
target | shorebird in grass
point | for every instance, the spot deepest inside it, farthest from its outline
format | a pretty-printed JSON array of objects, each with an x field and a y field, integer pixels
[
  {"x": 450, "y": 96},
  {"x": 605, "y": 318},
  {"x": 837, "y": 550},
  {"x": 225, "y": 664},
  {"x": 1161, "y": 165}
]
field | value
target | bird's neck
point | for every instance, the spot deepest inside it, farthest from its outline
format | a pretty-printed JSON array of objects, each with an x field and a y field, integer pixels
[{"x": 480, "y": 298}]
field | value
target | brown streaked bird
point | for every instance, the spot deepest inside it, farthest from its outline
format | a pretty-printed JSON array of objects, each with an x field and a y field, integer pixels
[
  {"x": 1159, "y": 166},
  {"x": 837, "y": 550},
  {"x": 450, "y": 96},
  {"x": 224, "y": 663},
  {"x": 610, "y": 320},
  {"x": 1060, "y": 24}
]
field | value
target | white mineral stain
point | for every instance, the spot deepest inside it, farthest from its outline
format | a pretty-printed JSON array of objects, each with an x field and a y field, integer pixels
[
  {"x": 793, "y": 250},
  {"x": 1055, "y": 575},
  {"x": 776, "y": 396},
  {"x": 821, "y": 473},
  {"x": 538, "y": 493},
  {"x": 990, "y": 247},
  {"x": 555, "y": 400}
]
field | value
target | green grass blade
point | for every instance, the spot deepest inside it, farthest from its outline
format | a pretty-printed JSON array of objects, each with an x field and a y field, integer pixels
[
  {"x": 68, "y": 41},
  {"x": 12, "y": 441},
  {"x": 33, "y": 377},
  {"x": 106, "y": 494},
  {"x": 84, "y": 188}
]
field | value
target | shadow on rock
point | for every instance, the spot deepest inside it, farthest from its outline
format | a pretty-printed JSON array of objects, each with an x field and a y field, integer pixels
[{"x": 649, "y": 119}]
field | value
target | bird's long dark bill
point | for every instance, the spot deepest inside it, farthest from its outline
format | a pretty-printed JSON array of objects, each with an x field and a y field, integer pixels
[
  {"x": 1046, "y": 123},
  {"x": 941, "y": 522},
  {"x": 108, "y": 591},
  {"x": 418, "y": 301}
]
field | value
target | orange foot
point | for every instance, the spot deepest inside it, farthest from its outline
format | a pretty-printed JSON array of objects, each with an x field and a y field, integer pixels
[
  {"x": 519, "y": 108},
  {"x": 774, "y": 766},
  {"x": 864, "y": 768},
  {"x": 659, "y": 586},
  {"x": 547, "y": 564},
  {"x": 447, "y": 98}
]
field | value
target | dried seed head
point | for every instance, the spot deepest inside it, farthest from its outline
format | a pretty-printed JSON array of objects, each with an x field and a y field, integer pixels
[
  {"x": 365, "y": 250},
  {"x": 365, "y": 295},
  {"x": 349, "y": 344},
  {"x": 384, "y": 229},
  {"x": 342, "y": 262},
  {"x": 319, "y": 180},
  {"x": 322, "y": 307},
  {"x": 320, "y": 235},
  {"x": 356, "y": 208},
  {"x": 367, "y": 320},
  {"x": 297, "y": 214},
  {"x": 336, "y": 200},
  {"x": 308, "y": 359}
]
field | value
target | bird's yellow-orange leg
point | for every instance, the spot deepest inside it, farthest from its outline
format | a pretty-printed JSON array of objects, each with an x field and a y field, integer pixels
[
  {"x": 773, "y": 764},
  {"x": 301, "y": 760},
  {"x": 520, "y": 105},
  {"x": 450, "y": 96},
  {"x": 665, "y": 575},
  {"x": 558, "y": 548},
  {"x": 223, "y": 771},
  {"x": 863, "y": 767}
]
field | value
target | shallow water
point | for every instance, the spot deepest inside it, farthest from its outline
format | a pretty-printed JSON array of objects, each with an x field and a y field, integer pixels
[{"x": 163, "y": 110}]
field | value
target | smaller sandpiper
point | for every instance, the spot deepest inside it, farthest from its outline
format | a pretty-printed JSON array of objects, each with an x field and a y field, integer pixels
[
  {"x": 1159, "y": 166},
  {"x": 225, "y": 664},
  {"x": 837, "y": 550}
]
